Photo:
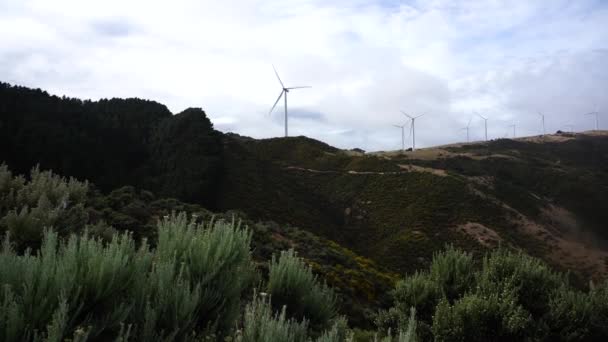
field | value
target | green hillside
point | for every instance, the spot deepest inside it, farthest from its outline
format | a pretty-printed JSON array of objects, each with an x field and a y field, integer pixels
[{"x": 547, "y": 197}]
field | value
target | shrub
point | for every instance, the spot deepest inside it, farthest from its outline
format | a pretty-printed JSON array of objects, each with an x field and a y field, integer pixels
[
  {"x": 511, "y": 296},
  {"x": 17, "y": 192},
  {"x": 292, "y": 284},
  {"x": 218, "y": 259},
  {"x": 260, "y": 324},
  {"x": 599, "y": 321},
  {"x": 397, "y": 320},
  {"x": 418, "y": 291},
  {"x": 579, "y": 316},
  {"x": 67, "y": 285},
  {"x": 477, "y": 317},
  {"x": 450, "y": 275},
  {"x": 191, "y": 284},
  {"x": 44, "y": 201},
  {"x": 533, "y": 281},
  {"x": 339, "y": 332},
  {"x": 452, "y": 270}
]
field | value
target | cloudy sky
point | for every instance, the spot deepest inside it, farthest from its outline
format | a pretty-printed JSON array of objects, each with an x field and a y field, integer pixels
[{"x": 365, "y": 59}]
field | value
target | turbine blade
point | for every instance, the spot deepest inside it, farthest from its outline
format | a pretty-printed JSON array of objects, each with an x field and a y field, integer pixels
[
  {"x": 480, "y": 116},
  {"x": 406, "y": 114},
  {"x": 469, "y": 124},
  {"x": 276, "y": 73},
  {"x": 299, "y": 87},
  {"x": 398, "y": 126},
  {"x": 277, "y": 101},
  {"x": 419, "y": 116},
  {"x": 411, "y": 127}
]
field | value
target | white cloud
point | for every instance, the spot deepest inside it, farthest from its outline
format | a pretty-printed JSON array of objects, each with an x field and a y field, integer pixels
[{"x": 366, "y": 60}]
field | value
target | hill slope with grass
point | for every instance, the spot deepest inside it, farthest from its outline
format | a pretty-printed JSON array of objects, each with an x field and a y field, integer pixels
[{"x": 545, "y": 195}]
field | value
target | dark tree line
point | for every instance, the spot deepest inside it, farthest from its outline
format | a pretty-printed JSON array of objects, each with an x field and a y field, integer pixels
[{"x": 112, "y": 142}]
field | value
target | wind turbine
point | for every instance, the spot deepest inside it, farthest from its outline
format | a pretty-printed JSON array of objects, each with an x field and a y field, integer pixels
[
  {"x": 413, "y": 118},
  {"x": 543, "y": 121},
  {"x": 597, "y": 120},
  {"x": 284, "y": 91},
  {"x": 402, "y": 135},
  {"x": 467, "y": 128},
  {"x": 485, "y": 120},
  {"x": 513, "y": 125}
]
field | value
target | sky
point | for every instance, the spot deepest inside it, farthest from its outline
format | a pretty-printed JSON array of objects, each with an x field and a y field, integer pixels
[{"x": 366, "y": 61}]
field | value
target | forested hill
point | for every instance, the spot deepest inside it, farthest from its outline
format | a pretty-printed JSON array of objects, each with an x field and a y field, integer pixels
[
  {"x": 547, "y": 196},
  {"x": 111, "y": 142}
]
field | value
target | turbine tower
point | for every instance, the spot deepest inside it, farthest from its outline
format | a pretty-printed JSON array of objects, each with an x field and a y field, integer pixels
[
  {"x": 513, "y": 125},
  {"x": 284, "y": 91},
  {"x": 467, "y": 128},
  {"x": 542, "y": 116},
  {"x": 485, "y": 121},
  {"x": 597, "y": 120},
  {"x": 413, "y": 118},
  {"x": 402, "y": 135}
]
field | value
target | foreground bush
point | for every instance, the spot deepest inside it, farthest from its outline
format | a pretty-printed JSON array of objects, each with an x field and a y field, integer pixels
[
  {"x": 190, "y": 287},
  {"x": 577, "y": 316},
  {"x": 262, "y": 324},
  {"x": 450, "y": 275},
  {"x": 476, "y": 317},
  {"x": 192, "y": 283},
  {"x": 44, "y": 200},
  {"x": 508, "y": 297},
  {"x": 293, "y": 285}
]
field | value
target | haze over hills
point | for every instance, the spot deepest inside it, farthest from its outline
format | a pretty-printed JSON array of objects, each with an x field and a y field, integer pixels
[{"x": 362, "y": 220}]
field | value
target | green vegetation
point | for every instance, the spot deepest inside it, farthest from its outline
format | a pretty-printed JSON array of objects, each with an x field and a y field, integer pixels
[
  {"x": 261, "y": 324},
  {"x": 188, "y": 285},
  {"x": 366, "y": 203},
  {"x": 361, "y": 285},
  {"x": 45, "y": 200},
  {"x": 564, "y": 172},
  {"x": 215, "y": 251},
  {"x": 293, "y": 285},
  {"x": 112, "y": 143},
  {"x": 399, "y": 218},
  {"x": 185, "y": 233},
  {"x": 509, "y": 296}
]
